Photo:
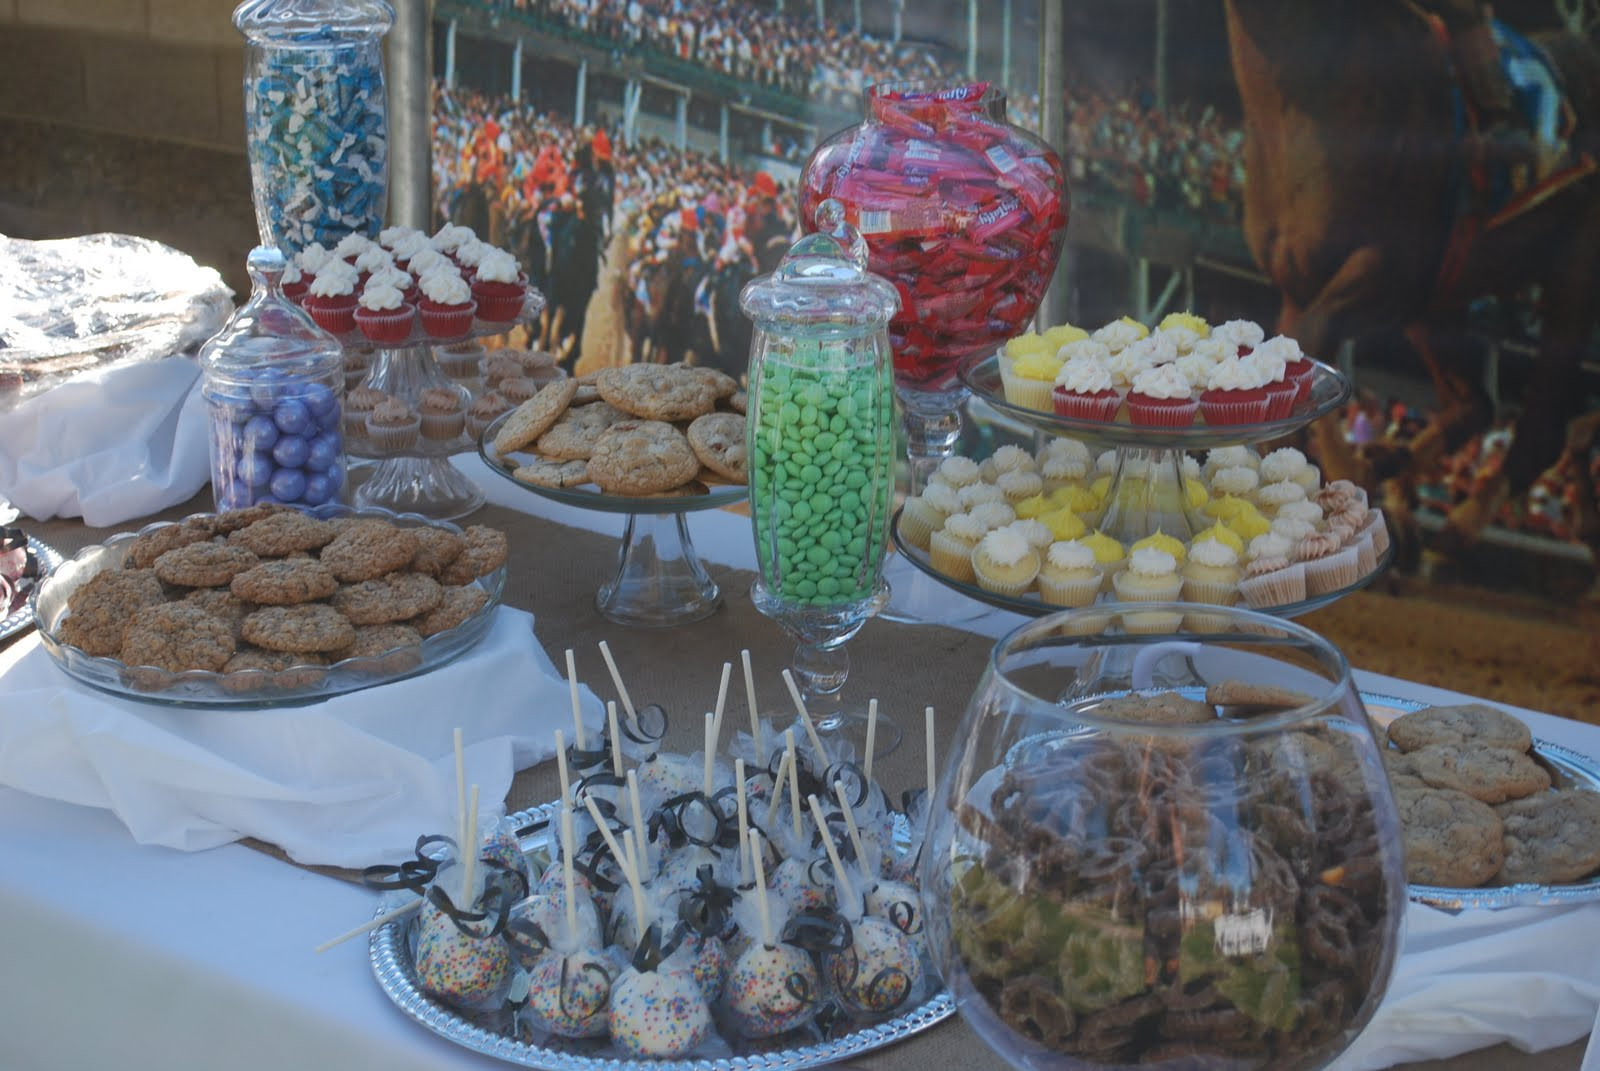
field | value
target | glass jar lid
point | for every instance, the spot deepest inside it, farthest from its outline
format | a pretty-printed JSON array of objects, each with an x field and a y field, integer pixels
[
  {"x": 269, "y": 329},
  {"x": 823, "y": 281},
  {"x": 285, "y": 22}
]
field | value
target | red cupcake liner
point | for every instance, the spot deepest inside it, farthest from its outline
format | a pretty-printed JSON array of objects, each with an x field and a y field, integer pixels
[
  {"x": 387, "y": 327},
  {"x": 336, "y": 315},
  {"x": 296, "y": 292},
  {"x": 1302, "y": 373},
  {"x": 1234, "y": 406},
  {"x": 1101, "y": 406},
  {"x": 1280, "y": 399},
  {"x": 499, "y": 302},
  {"x": 1161, "y": 412},
  {"x": 446, "y": 321}
]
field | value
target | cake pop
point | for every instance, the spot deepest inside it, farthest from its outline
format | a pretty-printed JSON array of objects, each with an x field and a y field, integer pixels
[
  {"x": 657, "y": 1013},
  {"x": 569, "y": 991},
  {"x": 773, "y": 987}
]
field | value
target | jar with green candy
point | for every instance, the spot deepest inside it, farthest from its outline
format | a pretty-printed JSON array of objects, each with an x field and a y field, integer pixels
[{"x": 821, "y": 443}]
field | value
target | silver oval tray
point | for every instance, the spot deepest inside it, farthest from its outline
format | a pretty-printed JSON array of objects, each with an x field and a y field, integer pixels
[
  {"x": 1568, "y": 769},
  {"x": 22, "y": 617},
  {"x": 390, "y": 951},
  {"x": 251, "y": 688}
]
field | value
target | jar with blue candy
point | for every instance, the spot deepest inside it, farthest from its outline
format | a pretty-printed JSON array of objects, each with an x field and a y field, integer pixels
[
  {"x": 273, "y": 383},
  {"x": 316, "y": 125}
]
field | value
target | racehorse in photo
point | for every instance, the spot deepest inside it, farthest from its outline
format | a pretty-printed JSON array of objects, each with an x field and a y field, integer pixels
[{"x": 1360, "y": 204}]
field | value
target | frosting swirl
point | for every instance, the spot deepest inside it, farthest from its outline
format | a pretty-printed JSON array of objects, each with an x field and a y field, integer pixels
[
  {"x": 445, "y": 287},
  {"x": 1084, "y": 375},
  {"x": 381, "y": 297},
  {"x": 1004, "y": 546},
  {"x": 1162, "y": 381},
  {"x": 1070, "y": 556}
]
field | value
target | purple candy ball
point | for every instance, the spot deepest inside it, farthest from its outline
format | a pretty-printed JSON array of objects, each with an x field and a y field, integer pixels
[
  {"x": 292, "y": 417},
  {"x": 288, "y": 484},
  {"x": 259, "y": 433},
  {"x": 319, "y": 489},
  {"x": 325, "y": 452},
  {"x": 321, "y": 401},
  {"x": 255, "y": 469},
  {"x": 291, "y": 451}
]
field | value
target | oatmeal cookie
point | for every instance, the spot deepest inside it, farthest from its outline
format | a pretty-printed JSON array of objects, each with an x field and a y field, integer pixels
[
  {"x": 1490, "y": 774},
  {"x": 285, "y": 583},
  {"x": 458, "y": 604},
  {"x": 377, "y": 639},
  {"x": 387, "y": 599},
  {"x": 145, "y": 549},
  {"x": 224, "y": 605},
  {"x": 717, "y": 439},
  {"x": 229, "y": 521},
  {"x": 1450, "y": 838},
  {"x": 484, "y": 551},
  {"x": 436, "y": 549},
  {"x": 1552, "y": 837},
  {"x": 657, "y": 392},
  {"x": 534, "y": 417},
  {"x": 311, "y": 626},
  {"x": 99, "y": 610},
  {"x": 1167, "y": 708},
  {"x": 272, "y": 661},
  {"x": 368, "y": 553},
  {"x": 204, "y": 565},
  {"x": 281, "y": 534},
  {"x": 1237, "y": 693},
  {"x": 573, "y": 435},
  {"x": 176, "y": 636},
  {"x": 542, "y": 473},
  {"x": 1469, "y": 723},
  {"x": 638, "y": 457}
]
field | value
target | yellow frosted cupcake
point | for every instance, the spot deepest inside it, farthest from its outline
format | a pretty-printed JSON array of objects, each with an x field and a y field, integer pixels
[
  {"x": 1077, "y": 498},
  {"x": 1159, "y": 540},
  {"x": 1004, "y": 563},
  {"x": 1249, "y": 523},
  {"x": 1187, "y": 321},
  {"x": 1064, "y": 524},
  {"x": 1070, "y": 575},
  {"x": 926, "y": 513},
  {"x": 950, "y": 548},
  {"x": 1064, "y": 335},
  {"x": 1033, "y": 506},
  {"x": 1226, "y": 507},
  {"x": 1029, "y": 379},
  {"x": 1030, "y": 343},
  {"x": 1221, "y": 534},
  {"x": 1100, "y": 489},
  {"x": 1108, "y": 552}
]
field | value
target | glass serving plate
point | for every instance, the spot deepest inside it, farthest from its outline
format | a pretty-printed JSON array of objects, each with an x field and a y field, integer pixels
[
  {"x": 1034, "y": 606},
  {"x": 1329, "y": 390},
  {"x": 1567, "y": 768},
  {"x": 18, "y": 617},
  {"x": 390, "y": 951},
  {"x": 250, "y": 688},
  {"x": 659, "y": 581}
]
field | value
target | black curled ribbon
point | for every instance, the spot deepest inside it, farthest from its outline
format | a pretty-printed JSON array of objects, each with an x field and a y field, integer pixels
[
  {"x": 819, "y": 930},
  {"x": 528, "y": 933},
  {"x": 584, "y": 786},
  {"x": 413, "y": 874},
  {"x": 884, "y": 992},
  {"x": 589, "y": 859},
  {"x": 691, "y": 818},
  {"x": 839, "y": 830},
  {"x": 706, "y": 908},
  {"x": 854, "y": 782},
  {"x": 653, "y": 950},
  {"x": 603, "y": 998},
  {"x": 501, "y": 890},
  {"x": 648, "y": 725},
  {"x": 903, "y": 916}
]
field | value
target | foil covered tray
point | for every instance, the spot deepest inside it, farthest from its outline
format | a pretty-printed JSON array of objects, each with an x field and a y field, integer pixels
[
  {"x": 1568, "y": 769},
  {"x": 19, "y": 616},
  {"x": 390, "y": 951},
  {"x": 251, "y": 688}
]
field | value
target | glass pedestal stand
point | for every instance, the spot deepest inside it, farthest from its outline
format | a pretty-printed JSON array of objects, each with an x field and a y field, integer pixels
[{"x": 1147, "y": 496}]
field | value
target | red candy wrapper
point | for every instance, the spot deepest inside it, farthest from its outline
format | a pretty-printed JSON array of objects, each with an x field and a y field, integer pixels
[{"x": 962, "y": 211}]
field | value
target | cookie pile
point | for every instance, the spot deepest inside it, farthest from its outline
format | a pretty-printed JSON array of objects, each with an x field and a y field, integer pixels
[
  {"x": 640, "y": 429},
  {"x": 268, "y": 587},
  {"x": 1476, "y": 808}
]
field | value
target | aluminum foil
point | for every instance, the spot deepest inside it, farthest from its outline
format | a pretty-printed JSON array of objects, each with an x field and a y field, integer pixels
[{"x": 74, "y": 304}]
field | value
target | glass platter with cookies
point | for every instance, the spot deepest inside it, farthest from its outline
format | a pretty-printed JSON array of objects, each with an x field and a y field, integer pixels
[
  {"x": 1492, "y": 816},
  {"x": 269, "y": 606}
]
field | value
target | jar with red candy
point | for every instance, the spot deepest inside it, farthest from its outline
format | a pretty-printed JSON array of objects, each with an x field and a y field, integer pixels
[{"x": 962, "y": 211}]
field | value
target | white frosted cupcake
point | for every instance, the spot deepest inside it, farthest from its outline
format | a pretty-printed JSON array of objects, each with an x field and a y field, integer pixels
[
  {"x": 1038, "y": 534},
  {"x": 1019, "y": 484},
  {"x": 1069, "y": 575},
  {"x": 1151, "y": 576},
  {"x": 1282, "y": 465},
  {"x": 1310, "y": 478},
  {"x": 1227, "y": 457},
  {"x": 1309, "y": 512},
  {"x": 957, "y": 472},
  {"x": 1240, "y": 481},
  {"x": 1008, "y": 458},
  {"x": 926, "y": 513},
  {"x": 1004, "y": 563},
  {"x": 1270, "y": 496},
  {"x": 950, "y": 548},
  {"x": 992, "y": 515},
  {"x": 1292, "y": 528},
  {"x": 976, "y": 494}
]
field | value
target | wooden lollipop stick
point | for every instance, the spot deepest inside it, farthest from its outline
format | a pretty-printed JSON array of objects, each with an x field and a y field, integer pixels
[
  {"x": 805, "y": 718},
  {"x": 382, "y": 920},
  {"x": 794, "y": 779},
  {"x": 470, "y": 861},
  {"x": 616, "y": 739},
  {"x": 711, "y": 751},
  {"x": 744, "y": 820},
  {"x": 622, "y": 689},
  {"x": 634, "y": 881},
  {"x": 638, "y": 822},
  {"x": 847, "y": 893},
  {"x": 577, "y": 710},
  {"x": 927, "y": 721},
  {"x": 761, "y": 888},
  {"x": 461, "y": 796},
  {"x": 561, "y": 765},
  {"x": 722, "y": 695},
  {"x": 872, "y": 737},
  {"x": 777, "y": 789},
  {"x": 850, "y": 823},
  {"x": 617, "y": 853},
  {"x": 567, "y": 842},
  {"x": 750, "y": 701}
]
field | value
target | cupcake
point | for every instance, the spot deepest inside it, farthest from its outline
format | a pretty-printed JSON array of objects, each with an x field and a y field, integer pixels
[
  {"x": 443, "y": 412},
  {"x": 461, "y": 361},
  {"x": 393, "y": 425},
  {"x": 1037, "y": 533},
  {"x": 1084, "y": 391},
  {"x": 357, "y": 363},
  {"x": 351, "y": 246},
  {"x": 1220, "y": 533},
  {"x": 1239, "y": 481},
  {"x": 1027, "y": 380},
  {"x": 1181, "y": 325},
  {"x": 1310, "y": 478},
  {"x": 398, "y": 279},
  {"x": 372, "y": 260},
  {"x": 1004, "y": 563},
  {"x": 1212, "y": 573},
  {"x": 1295, "y": 530},
  {"x": 449, "y": 237},
  {"x": 926, "y": 513},
  {"x": 383, "y": 314},
  {"x": 1064, "y": 461},
  {"x": 1069, "y": 575},
  {"x": 294, "y": 283},
  {"x": 1242, "y": 335},
  {"x": 1120, "y": 334},
  {"x": 1160, "y": 398},
  {"x": 499, "y": 287},
  {"x": 1034, "y": 506},
  {"x": 1272, "y": 495},
  {"x": 1235, "y": 393},
  {"x": 1076, "y": 497},
  {"x": 1108, "y": 553},
  {"x": 1227, "y": 457},
  {"x": 1159, "y": 540},
  {"x": 520, "y": 388},
  {"x": 1330, "y": 566},
  {"x": 1282, "y": 465},
  {"x": 1249, "y": 523},
  {"x": 1007, "y": 458},
  {"x": 446, "y": 306},
  {"x": 1151, "y": 576},
  {"x": 976, "y": 494},
  {"x": 1297, "y": 367},
  {"x": 1019, "y": 484},
  {"x": 1309, "y": 512},
  {"x": 484, "y": 410},
  {"x": 406, "y": 248},
  {"x": 470, "y": 254},
  {"x": 1271, "y": 578},
  {"x": 1280, "y": 389},
  {"x": 358, "y": 405},
  {"x": 1062, "y": 335},
  {"x": 950, "y": 548},
  {"x": 1024, "y": 345},
  {"x": 428, "y": 260},
  {"x": 1195, "y": 495},
  {"x": 957, "y": 472},
  {"x": 1064, "y": 524},
  {"x": 331, "y": 298},
  {"x": 311, "y": 259},
  {"x": 390, "y": 237},
  {"x": 992, "y": 515}
]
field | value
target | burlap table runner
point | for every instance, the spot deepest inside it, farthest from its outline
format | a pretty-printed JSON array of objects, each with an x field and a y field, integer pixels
[{"x": 554, "y": 571}]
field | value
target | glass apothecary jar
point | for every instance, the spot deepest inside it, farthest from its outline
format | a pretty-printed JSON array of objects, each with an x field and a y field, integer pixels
[
  {"x": 316, "y": 118},
  {"x": 273, "y": 383}
]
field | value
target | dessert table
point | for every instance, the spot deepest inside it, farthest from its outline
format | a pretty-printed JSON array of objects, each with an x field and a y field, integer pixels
[{"x": 129, "y": 955}]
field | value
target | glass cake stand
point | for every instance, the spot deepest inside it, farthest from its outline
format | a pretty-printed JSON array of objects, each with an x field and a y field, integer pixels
[
  {"x": 659, "y": 581},
  {"x": 419, "y": 478},
  {"x": 1145, "y": 494}
]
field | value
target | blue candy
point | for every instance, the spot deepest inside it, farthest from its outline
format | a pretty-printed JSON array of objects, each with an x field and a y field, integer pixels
[
  {"x": 287, "y": 485},
  {"x": 291, "y": 451},
  {"x": 325, "y": 452},
  {"x": 259, "y": 435},
  {"x": 255, "y": 469},
  {"x": 292, "y": 417},
  {"x": 319, "y": 489},
  {"x": 321, "y": 401}
]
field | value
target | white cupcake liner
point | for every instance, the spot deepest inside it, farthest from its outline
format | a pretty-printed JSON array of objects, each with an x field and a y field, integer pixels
[
  {"x": 1277, "y": 588},
  {"x": 1071, "y": 592},
  {"x": 1332, "y": 573}
]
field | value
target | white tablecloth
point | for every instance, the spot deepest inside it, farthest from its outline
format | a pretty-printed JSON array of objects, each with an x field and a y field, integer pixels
[{"x": 118, "y": 955}]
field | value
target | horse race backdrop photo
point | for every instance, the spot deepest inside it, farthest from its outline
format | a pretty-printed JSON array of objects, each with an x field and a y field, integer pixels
[{"x": 1407, "y": 187}]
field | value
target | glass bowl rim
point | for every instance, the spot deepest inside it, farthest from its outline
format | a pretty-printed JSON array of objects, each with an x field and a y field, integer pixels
[{"x": 1049, "y": 625}]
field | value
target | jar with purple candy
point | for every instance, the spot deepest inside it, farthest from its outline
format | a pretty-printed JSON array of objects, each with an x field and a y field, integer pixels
[{"x": 273, "y": 382}]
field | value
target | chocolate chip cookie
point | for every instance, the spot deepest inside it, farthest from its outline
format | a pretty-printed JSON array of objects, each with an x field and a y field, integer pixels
[
  {"x": 395, "y": 597},
  {"x": 718, "y": 440},
  {"x": 638, "y": 457},
  {"x": 573, "y": 435},
  {"x": 285, "y": 583},
  {"x": 1490, "y": 774},
  {"x": 1167, "y": 708},
  {"x": 176, "y": 636},
  {"x": 366, "y": 553},
  {"x": 534, "y": 417},
  {"x": 98, "y": 611},
  {"x": 1469, "y": 723},
  {"x": 1450, "y": 838},
  {"x": 658, "y": 392},
  {"x": 543, "y": 473},
  {"x": 1552, "y": 837},
  {"x": 311, "y": 626}
]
